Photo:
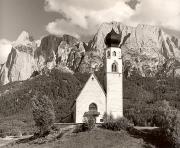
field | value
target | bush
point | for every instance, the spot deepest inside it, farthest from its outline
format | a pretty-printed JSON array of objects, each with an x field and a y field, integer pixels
[
  {"x": 16, "y": 133},
  {"x": 116, "y": 124},
  {"x": 43, "y": 113},
  {"x": 89, "y": 124},
  {"x": 3, "y": 135},
  {"x": 167, "y": 119},
  {"x": 80, "y": 128}
]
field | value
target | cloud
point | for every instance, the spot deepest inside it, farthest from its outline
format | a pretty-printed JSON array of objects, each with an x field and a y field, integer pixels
[
  {"x": 5, "y": 48},
  {"x": 82, "y": 17},
  {"x": 60, "y": 26},
  {"x": 164, "y": 13}
]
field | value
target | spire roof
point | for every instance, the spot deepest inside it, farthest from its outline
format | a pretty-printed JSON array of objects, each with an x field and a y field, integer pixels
[{"x": 112, "y": 39}]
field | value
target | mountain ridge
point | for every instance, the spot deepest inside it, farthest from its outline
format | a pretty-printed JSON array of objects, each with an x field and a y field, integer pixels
[{"x": 147, "y": 51}]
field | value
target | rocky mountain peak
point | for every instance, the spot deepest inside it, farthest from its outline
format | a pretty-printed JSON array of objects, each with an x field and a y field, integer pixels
[
  {"x": 145, "y": 48},
  {"x": 70, "y": 39},
  {"x": 24, "y": 37},
  {"x": 147, "y": 51}
]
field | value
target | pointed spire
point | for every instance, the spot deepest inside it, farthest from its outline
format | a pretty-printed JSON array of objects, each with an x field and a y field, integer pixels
[{"x": 112, "y": 39}]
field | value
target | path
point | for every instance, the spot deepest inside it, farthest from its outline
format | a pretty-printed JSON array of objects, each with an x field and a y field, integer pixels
[{"x": 10, "y": 139}]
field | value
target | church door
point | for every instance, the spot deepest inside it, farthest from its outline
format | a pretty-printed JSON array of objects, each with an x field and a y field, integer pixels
[{"x": 93, "y": 112}]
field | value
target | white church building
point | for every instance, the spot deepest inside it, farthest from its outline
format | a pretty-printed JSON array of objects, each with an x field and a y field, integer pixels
[{"x": 93, "y": 100}]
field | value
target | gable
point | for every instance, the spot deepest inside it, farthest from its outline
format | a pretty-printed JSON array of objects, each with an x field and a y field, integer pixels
[
  {"x": 92, "y": 86},
  {"x": 92, "y": 93}
]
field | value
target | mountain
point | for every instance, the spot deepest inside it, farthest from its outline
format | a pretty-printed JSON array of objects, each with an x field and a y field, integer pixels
[
  {"x": 147, "y": 51},
  {"x": 20, "y": 63}
]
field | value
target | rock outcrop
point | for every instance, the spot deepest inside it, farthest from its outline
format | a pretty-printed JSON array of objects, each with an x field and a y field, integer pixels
[
  {"x": 20, "y": 63},
  {"x": 147, "y": 51}
]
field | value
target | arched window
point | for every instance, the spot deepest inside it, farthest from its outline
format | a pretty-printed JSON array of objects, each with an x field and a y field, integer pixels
[
  {"x": 114, "y": 53},
  {"x": 114, "y": 67},
  {"x": 92, "y": 107},
  {"x": 108, "y": 54}
]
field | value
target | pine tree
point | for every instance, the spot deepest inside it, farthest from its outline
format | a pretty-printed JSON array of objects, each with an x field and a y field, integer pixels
[{"x": 43, "y": 113}]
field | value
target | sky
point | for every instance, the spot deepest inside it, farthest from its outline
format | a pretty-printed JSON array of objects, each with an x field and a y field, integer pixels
[{"x": 81, "y": 18}]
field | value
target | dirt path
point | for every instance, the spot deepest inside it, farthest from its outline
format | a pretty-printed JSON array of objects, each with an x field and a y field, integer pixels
[
  {"x": 10, "y": 139},
  {"x": 68, "y": 130}
]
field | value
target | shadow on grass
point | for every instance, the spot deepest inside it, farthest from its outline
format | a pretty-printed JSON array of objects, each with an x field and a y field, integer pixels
[
  {"x": 37, "y": 139},
  {"x": 27, "y": 140},
  {"x": 151, "y": 136}
]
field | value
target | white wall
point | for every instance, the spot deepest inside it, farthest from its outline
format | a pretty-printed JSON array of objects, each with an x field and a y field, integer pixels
[
  {"x": 114, "y": 82},
  {"x": 91, "y": 93}
]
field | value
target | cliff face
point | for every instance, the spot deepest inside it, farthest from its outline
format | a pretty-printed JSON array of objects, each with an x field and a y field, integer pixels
[
  {"x": 20, "y": 63},
  {"x": 147, "y": 51},
  {"x": 63, "y": 51}
]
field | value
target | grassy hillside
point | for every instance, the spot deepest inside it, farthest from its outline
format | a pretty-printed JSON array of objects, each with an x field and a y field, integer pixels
[
  {"x": 15, "y": 106},
  {"x": 97, "y": 138},
  {"x": 140, "y": 95}
]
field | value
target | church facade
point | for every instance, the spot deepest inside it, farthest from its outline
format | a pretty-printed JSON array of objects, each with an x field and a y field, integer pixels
[{"x": 93, "y": 99}]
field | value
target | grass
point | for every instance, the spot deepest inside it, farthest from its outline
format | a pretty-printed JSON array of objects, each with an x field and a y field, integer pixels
[
  {"x": 12, "y": 125},
  {"x": 96, "y": 138}
]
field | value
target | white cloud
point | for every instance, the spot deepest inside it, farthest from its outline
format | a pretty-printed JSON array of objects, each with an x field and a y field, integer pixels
[
  {"x": 84, "y": 16},
  {"x": 164, "y": 13},
  {"x": 5, "y": 48},
  {"x": 59, "y": 27}
]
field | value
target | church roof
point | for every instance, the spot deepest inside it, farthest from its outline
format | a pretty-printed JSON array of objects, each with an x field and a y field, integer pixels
[
  {"x": 112, "y": 39},
  {"x": 100, "y": 84},
  {"x": 93, "y": 75}
]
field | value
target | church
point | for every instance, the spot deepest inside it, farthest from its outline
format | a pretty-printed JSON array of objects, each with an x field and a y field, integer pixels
[{"x": 94, "y": 99}]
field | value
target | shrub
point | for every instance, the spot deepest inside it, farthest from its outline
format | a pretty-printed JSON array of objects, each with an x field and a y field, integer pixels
[
  {"x": 3, "y": 135},
  {"x": 80, "y": 128},
  {"x": 16, "y": 133},
  {"x": 116, "y": 124},
  {"x": 87, "y": 125},
  {"x": 43, "y": 113},
  {"x": 25, "y": 133},
  {"x": 167, "y": 119}
]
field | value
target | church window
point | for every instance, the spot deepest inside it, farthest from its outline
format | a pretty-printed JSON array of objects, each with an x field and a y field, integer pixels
[
  {"x": 114, "y": 53},
  {"x": 101, "y": 120},
  {"x": 114, "y": 67},
  {"x": 108, "y": 54},
  {"x": 92, "y": 107}
]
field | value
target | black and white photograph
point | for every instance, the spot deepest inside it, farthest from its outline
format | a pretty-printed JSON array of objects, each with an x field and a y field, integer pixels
[{"x": 89, "y": 73}]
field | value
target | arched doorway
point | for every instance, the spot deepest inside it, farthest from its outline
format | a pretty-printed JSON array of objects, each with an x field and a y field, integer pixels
[
  {"x": 92, "y": 107},
  {"x": 93, "y": 112}
]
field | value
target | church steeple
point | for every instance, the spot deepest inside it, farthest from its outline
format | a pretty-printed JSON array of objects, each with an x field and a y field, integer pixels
[
  {"x": 112, "y": 39},
  {"x": 114, "y": 88}
]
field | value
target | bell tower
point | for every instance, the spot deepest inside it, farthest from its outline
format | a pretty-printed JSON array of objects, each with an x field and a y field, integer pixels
[{"x": 114, "y": 77}]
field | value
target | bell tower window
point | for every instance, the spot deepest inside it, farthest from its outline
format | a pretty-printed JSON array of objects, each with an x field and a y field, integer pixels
[
  {"x": 108, "y": 54},
  {"x": 114, "y": 53},
  {"x": 114, "y": 67}
]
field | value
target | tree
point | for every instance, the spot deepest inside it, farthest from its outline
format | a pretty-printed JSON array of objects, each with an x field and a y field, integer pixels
[
  {"x": 167, "y": 119},
  {"x": 43, "y": 113}
]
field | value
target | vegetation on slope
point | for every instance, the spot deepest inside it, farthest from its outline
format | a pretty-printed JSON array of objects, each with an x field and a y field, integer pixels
[
  {"x": 140, "y": 96},
  {"x": 15, "y": 98},
  {"x": 94, "y": 138}
]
